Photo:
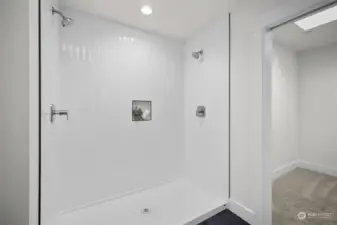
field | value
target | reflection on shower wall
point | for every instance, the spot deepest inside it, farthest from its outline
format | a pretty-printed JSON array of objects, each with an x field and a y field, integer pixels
[
  {"x": 206, "y": 84},
  {"x": 104, "y": 66}
]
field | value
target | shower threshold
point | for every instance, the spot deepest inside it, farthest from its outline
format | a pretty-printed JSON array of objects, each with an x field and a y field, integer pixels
[{"x": 176, "y": 203}]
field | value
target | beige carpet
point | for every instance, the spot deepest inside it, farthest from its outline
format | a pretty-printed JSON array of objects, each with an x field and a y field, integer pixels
[{"x": 314, "y": 194}]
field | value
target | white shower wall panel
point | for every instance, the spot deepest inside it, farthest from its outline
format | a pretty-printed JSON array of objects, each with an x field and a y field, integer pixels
[
  {"x": 102, "y": 153},
  {"x": 207, "y": 84}
]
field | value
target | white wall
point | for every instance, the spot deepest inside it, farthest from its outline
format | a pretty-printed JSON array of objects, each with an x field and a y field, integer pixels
[
  {"x": 2, "y": 119},
  {"x": 100, "y": 152},
  {"x": 14, "y": 116},
  {"x": 206, "y": 83},
  {"x": 250, "y": 155},
  {"x": 247, "y": 175},
  {"x": 318, "y": 106},
  {"x": 34, "y": 109},
  {"x": 284, "y": 107}
]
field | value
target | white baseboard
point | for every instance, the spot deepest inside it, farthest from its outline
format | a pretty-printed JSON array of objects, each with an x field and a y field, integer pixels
[
  {"x": 317, "y": 168},
  {"x": 282, "y": 170},
  {"x": 240, "y": 210}
]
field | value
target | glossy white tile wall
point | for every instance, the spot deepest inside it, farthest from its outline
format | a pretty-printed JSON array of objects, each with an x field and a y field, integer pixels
[
  {"x": 51, "y": 134},
  {"x": 101, "y": 153},
  {"x": 206, "y": 84}
]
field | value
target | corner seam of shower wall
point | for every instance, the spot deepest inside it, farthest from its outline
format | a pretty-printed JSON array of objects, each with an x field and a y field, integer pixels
[
  {"x": 229, "y": 101},
  {"x": 40, "y": 113}
]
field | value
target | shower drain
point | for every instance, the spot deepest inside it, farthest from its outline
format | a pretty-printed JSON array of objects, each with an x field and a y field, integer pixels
[{"x": 146, "y": 211}]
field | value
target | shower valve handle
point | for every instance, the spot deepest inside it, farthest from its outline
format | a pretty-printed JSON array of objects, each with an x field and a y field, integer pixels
[{"x": 54, "y": 112}]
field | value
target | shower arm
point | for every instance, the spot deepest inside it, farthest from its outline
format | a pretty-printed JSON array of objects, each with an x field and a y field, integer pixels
[{"x": 54, "y": 10}]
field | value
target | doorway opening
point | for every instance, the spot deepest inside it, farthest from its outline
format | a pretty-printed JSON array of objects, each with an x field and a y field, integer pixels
[{"x": 302, "y": 106}]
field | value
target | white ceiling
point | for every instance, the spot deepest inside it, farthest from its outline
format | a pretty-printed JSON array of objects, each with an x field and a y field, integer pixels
[
  {"x": 174, "y": 18},
  {"x": 291, "y": 36}
]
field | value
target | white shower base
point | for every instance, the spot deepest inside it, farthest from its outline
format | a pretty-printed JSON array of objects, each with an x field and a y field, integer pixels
[{"x": 176, "y": 203}]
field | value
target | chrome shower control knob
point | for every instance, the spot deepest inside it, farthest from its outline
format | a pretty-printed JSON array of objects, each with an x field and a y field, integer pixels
[{"x": 54, "y": 112}]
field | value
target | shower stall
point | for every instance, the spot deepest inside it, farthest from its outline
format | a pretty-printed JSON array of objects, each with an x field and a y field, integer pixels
[{"x": 134, "y": 124}]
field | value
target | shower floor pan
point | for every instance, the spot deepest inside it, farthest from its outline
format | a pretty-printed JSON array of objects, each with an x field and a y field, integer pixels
[{"x": 177, "y": 203}]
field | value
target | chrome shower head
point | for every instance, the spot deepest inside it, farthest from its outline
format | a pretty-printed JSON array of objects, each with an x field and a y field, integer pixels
[
  {"x": 198, "y": 55},
  {"x": 195, "y": 55},
  {"x": 66, "y": 21}
]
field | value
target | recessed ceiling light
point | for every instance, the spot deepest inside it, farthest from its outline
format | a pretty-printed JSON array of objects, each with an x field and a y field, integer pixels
[
  {"x": 146, "y": 10},
  {"x": 318, "y": 19}
]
